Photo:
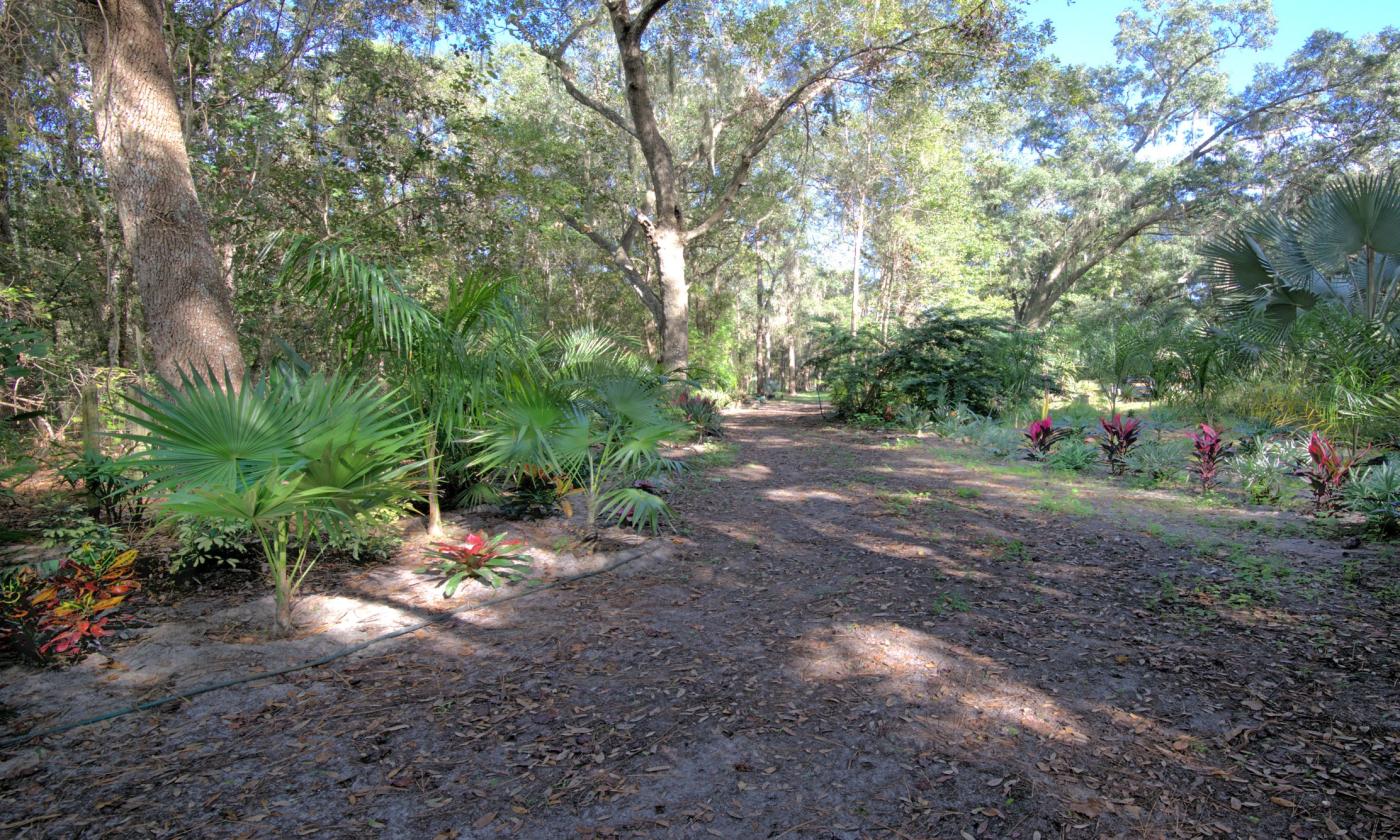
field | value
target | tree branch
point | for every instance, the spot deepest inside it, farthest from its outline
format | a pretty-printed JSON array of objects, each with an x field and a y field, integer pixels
[
  {"x": 617, "y": 253},
  {"x": 806, "y": 91}
]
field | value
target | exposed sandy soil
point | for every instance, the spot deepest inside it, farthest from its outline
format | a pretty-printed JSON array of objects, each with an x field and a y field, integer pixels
[{"x": 850, "y": 638}]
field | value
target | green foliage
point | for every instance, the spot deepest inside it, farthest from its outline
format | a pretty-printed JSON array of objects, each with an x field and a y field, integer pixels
[
  {"x": 702, "y": 414},
  {"x": 1374, "y": 492},
  {"x": 1265, "y": 469},
  {"x": 1158, "y": 461},
  {"x": 1074, "y": 455},
  {"x": 116, "y": 490},
  {"x": 1341, "y": 249},
  {"x": 285, "y": 458},
  {"x": 202, "y": 544},
  {"x": 605, "y": 437},
  {"x": 945, "y": 358}
]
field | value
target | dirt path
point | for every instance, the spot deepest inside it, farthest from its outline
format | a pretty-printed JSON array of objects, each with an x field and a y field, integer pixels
[{"x": 856, "y": 639}]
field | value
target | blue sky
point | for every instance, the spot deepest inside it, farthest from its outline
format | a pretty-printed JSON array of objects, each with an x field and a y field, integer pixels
[{"x": 1084, "y": 29}]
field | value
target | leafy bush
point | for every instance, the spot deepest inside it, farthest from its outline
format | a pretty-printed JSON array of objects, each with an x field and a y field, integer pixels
[
  {"x": 604, "y": 443},
  {"x": 1374, "y": 492},
  {"x": 1119, "y": 438},
  {"x": 492, "y": 560},
  {"x": 1157, "y": 461},
  {"x": 115, "y": 489},
  {"x": 205, "y": 543},
  {"x": 1042, "y": 436},
  {"x": 1210, "y": 453},
  {"x": 702, "y": 413},
  {"x": 1074, "y": 455},
  {"x": 997, "y": 440},
  {"x": 946, "y": 357},
  {"x": 287, "y": 458},
  {"x": 65, "y": 612},
  {"x": 1328, "y": 470},
  {"x": 1264, "y": 468},
  {"x": 913, "y": 418}
]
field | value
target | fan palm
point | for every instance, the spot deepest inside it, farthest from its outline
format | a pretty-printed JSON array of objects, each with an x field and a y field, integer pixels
[
  {"x": 1342, "y": 250},
  {"x": 287, "y": 458},
  {"x": 605, "y": 439}
]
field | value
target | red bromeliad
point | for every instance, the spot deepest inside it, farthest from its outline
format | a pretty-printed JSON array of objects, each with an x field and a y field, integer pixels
[
  {"x": 1041, "y": 437},
  {"x": 1328, "y": 471},
  {"x": 494, "y": 560},
  {"x": 1211, "y": 452},
  {"x": 1120, "y": 436}
]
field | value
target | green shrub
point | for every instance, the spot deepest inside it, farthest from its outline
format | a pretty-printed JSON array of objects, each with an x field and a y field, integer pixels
[
  {"x": 203, "y": 544},
  {"x": 1374, "y": 492},
  {"x": 1074, "y": 455},
  {"x": 1158, "y": 461},
  {"x": 286, "y": 458},
  {"x": 945, "y": 358},
  {"x": 1265, "y": 469}
]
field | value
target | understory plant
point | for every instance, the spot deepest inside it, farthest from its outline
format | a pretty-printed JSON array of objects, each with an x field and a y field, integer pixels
[
  {"x": 1073, "y": 455},
  {"x": 1210, "y": 453},
  {"x": 1374, "y": 492},
  {"x": 1156, "y": 461},
  {"x": 63, "y": 612},
  {"x": 1328, "y": 470},
  {"x": 702, "y": 413},
  {"x": 1120, "y": 437},
  {"x": 287, "y": 458},
  {"x": 605, "y": 440},
  {"x": 494, "y": 560},
  {"x": 1042, "y": 436},
  {"x": 1265, "y": 469},
  {"x": 115, "y": 491}
]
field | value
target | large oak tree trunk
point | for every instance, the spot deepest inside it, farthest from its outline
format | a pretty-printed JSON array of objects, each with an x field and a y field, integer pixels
[
  {"x": 675, "y": 301},
  {"x": 189, "y": 314}
]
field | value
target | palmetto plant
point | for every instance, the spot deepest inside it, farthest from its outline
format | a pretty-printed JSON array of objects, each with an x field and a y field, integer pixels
[
  {"x": 1341, "y": 250},
  {"x": 288, "y": 458},
  {"x": 605, "y": 438},
  {"x": 443, "y": 359}
]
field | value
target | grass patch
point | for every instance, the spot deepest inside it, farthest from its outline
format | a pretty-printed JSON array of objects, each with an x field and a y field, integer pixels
[
  {"x": 1064, "y": 501},
  {"x": 711, "y": 454}
]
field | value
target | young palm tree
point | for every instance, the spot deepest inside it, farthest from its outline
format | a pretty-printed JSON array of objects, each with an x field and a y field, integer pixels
[
  {"x": 442, "y": 360},
  {"x": 287, "y": 458}
]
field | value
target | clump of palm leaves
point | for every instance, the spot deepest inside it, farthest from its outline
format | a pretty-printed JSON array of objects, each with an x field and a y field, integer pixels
[
  {"x": 605, "y": 437},
  {"x": 286, "y": 458}
]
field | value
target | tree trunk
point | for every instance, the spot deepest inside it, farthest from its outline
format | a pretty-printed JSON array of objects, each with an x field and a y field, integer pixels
[
  {"x": 855, "y": 264},
  {"x": 675, "y": 300},
  {"x": 189, "y": 314}
]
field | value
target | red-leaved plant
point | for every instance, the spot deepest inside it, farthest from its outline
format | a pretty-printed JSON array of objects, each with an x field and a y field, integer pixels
[
  {"x": 1328, "y": 470},
  {"x": 1119, "y": 438},
  {"x": 67, "y": 613},
  {"x": 1041, "y": 437},
  {"x": 493, "y": 560},
  {"x": 1211, "y": 452}
]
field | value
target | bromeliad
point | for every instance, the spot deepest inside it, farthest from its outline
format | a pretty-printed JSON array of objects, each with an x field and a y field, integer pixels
[{"x": 492, "y": 560}]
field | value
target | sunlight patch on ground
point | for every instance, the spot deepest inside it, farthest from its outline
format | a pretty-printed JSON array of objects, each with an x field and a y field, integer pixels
[
  {"x": 921, "y": 669},
  {"x": 800, "y": 495}
]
